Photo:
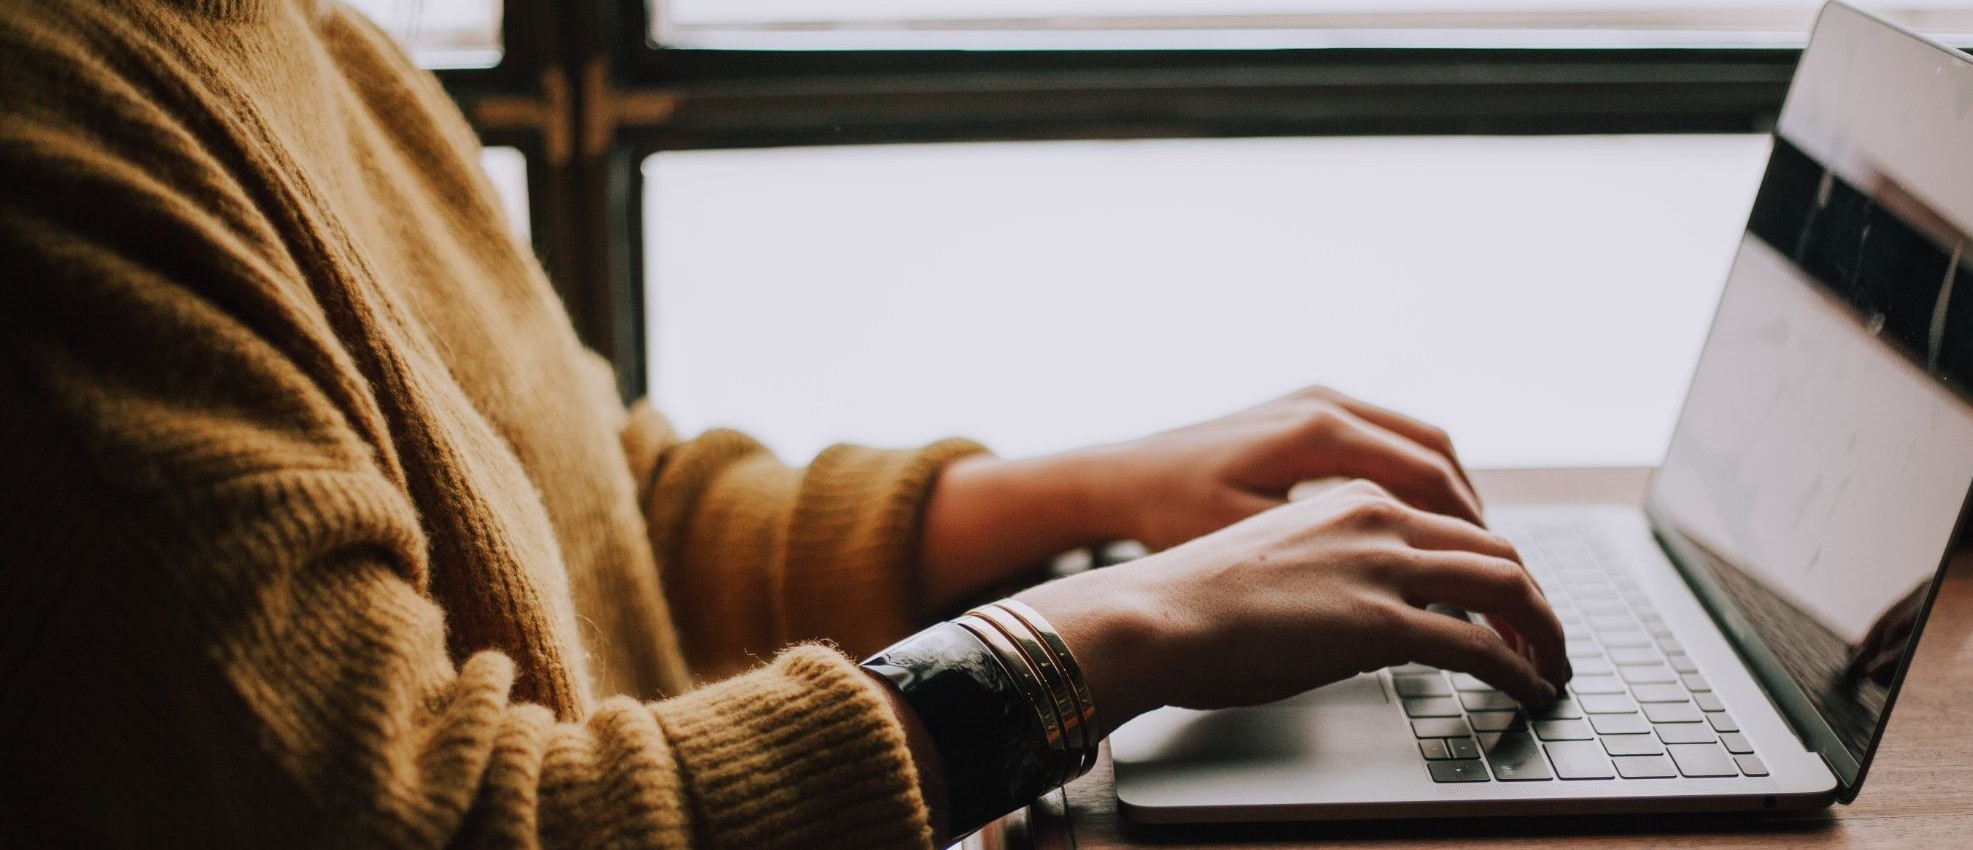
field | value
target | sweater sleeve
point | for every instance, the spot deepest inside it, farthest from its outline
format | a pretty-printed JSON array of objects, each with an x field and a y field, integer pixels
[
  {"x": 759, "y": 554},
  {"x": 215, "y": 624}
]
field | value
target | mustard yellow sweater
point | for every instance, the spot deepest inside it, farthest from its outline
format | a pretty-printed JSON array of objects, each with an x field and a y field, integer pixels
[{"x": 317, "y": 526}]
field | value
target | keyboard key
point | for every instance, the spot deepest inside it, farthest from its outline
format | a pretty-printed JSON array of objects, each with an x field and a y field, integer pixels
[
  {"x": 1580, "y": 760},
  {"x": 1709, "y": 702},
  {"x": 1440, "y": 727},
  {"x": 1497, "y": 721},
  {"x": 1458, "y": 770},
  {"x": 1414, "y": 670},
  {"x": 1607, "y": 703},
  {"x": 1433, "y": 748},
  {"x": 1682, "y": 663},
  {"x": 1516, "y": 757},
  {"x": 1432, "y": 707},
  {"x": 1561, "y": 709},
  {"x": 1592, "y": 667},
  {"x": 1634, "y": 655},
  {"x": 1721, "y": 722},
  {"x": 1641, "y": 767},
  {"x": 1698, "y": 760},
  {"x": 1596, "y": 685},
  {"x": 1633, "y": 745},
  {"x": 1421, "y": 686},
  {"x": 1670, "y": 646},
  {"x": 1488, "y": 701},
  {"x": 1686, "y": 733},
  {"x": 1563, "y": 730},
  {"x": 1642, "y": 675},
  {"x": 1620, "y": 724},
  {"x": 1469, "y": 682},
  {"x": 1583, "y": 652},
  {"x": 1663, "y": 712},
  {"x": 1463, "y": 748},
  {"x": 1658, "y": 693},
  {"x": 1750, "y": 765},
  {"x": 1624, "y": 639},
  {"x": 1736, "y": 743},
  {"x": 1695, "y": 682},
  {"x": 1603, "y": 606}
]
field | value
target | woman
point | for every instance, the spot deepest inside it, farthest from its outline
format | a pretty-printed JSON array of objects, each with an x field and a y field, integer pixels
[{"x": 321, "y": 527}]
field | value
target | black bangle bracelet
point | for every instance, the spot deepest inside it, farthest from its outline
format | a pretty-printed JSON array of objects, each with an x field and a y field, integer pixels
[{"x": 988, "y": 736}]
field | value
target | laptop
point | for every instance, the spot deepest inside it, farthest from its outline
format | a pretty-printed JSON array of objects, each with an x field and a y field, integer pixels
[{"x": 1738, "y": 643}]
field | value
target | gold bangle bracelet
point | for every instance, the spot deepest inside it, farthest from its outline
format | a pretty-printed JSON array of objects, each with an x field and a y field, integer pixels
[
  {"x": 1052, "y": 675},
  {"x": 1030, "y": 685},
  {"x": 1078, "y": 684}
]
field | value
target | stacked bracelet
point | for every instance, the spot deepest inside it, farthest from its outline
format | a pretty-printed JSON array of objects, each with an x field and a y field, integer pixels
[{"x": 1003, "y": 702}]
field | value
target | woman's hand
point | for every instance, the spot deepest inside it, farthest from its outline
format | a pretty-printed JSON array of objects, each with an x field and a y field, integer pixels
[
  {"x": 1303, "y": 595},
  {"x": 990, "y": 519},
  {"x": 1178, "y": 485}
]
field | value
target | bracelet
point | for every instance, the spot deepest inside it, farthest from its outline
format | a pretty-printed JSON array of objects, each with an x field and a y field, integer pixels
[
  {"x": 1004, "y": 703},
  {"x": 1057, "y": 692},
  {"x": 1078, "y": 684},
  {"x": 1034, "y": 694}
]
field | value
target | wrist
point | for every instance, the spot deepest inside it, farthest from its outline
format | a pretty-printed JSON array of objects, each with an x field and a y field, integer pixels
[
  {"x": 990, "y": 521},
  {"x": 1094, "y": 485},
  {"x": 1113, "y": 631}
]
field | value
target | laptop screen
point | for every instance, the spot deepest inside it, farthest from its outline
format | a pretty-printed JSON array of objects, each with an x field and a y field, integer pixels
[{"x": 1825, "y": 453}]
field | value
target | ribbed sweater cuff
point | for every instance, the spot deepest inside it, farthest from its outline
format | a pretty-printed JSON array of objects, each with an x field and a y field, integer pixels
[
  {"x": 854, "y": 538},
  {"x": 803, "y": 753}
]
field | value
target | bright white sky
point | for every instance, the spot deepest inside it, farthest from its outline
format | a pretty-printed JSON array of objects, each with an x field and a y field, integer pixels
[{"x": 1543, "y": 298}]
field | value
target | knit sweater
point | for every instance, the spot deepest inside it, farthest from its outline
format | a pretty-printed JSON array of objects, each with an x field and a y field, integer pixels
[{"x": 319, "y": 527}]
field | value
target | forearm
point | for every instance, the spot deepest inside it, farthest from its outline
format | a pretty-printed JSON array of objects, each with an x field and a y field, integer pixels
[{"x": 989, "y": 520}]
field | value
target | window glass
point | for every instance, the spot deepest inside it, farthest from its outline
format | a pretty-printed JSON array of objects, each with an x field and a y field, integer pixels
[
  {"x": 441, "y": 33},
  {"x": 1260, "y": 23},
  {"x": 507, "y": 168},
  {"x": 1542, "y": 297}
]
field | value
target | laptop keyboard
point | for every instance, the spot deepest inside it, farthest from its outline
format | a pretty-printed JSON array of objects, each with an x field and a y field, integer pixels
[{"x": 1638, "y": 708}]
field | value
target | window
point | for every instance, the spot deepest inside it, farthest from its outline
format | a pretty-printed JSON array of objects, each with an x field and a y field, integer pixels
[
  {"x": 441, "y": 33},
  {"x": 507, "y": 169},
  {"x": 1543, "y": 298},
  {"x": 1063, "y": 209}
]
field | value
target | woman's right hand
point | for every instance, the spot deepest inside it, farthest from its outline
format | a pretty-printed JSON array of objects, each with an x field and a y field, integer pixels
[{"x": 1302, "y": 595}]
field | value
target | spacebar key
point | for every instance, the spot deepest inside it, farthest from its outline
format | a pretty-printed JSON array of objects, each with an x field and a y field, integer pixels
[{"x": 1516, "y": 757}]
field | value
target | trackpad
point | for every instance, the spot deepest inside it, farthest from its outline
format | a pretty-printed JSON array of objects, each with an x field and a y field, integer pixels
[
  {"x": 1346, "y": 733},
  {"x": 1365, "y": 689}
]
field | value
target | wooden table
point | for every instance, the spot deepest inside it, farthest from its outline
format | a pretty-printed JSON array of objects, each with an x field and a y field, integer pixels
[{"x": 1919, "y": 793}]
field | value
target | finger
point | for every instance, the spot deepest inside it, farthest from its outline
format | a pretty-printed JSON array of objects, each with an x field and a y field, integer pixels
[
  {"x": 1422, "y": 433},
  {"x": 1469, "y": 648},
  {"x": 1435, "y": 531},
  {"x": 1502, "y": 591},
  {"x": 1416, "y": 474}
]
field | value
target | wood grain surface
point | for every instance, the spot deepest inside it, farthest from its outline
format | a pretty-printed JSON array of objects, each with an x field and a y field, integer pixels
[{"x": 1919, "y": 792}]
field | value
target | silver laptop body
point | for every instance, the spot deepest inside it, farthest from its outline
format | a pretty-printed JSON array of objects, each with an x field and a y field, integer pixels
[{"x": 1816, "y": 480}]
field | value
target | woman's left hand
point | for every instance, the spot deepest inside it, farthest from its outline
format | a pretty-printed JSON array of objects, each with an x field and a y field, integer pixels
[
  {"x": 1182, "y": 484},
  {"x": 989, "y": 518}
]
